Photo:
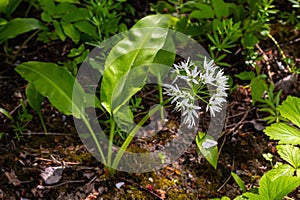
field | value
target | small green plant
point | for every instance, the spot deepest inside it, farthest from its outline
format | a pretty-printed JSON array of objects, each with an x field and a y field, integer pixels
[
  {"x": 22, "y": 119},
  {"x": 283, "y": 178}
]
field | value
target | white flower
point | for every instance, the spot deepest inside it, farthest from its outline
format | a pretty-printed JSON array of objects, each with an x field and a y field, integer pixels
[{"x": 196, "y": 78}]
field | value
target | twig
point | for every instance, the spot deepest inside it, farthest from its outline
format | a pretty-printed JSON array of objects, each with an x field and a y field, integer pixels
[
  {"x": 60, "y": 184},
  {"x": 218, "y": 190},
  {"x": 141, "y": 187}
]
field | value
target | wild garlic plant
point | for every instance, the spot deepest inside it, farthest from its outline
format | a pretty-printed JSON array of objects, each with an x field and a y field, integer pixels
[{"x": 198, "y": 80}]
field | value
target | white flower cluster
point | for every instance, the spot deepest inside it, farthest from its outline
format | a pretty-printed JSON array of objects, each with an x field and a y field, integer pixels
[{"x": 196, "y": 79}]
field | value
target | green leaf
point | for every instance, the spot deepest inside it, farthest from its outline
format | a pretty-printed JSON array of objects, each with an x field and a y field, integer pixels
[
  {"x": 48, "y": 6},
  {"x": 282, "y": 170},
  {"x": 59, "y": 30},
  {"x": 276, "y": 189},
  {"x": 221, "y": 8},
  {"x": 290, "y": 154},
  {"x": 71, "y": 31},
  {"x": 141, "y": 46},
  {"x": 18, "y": 26},
  {"x": 10, "y": 6},
  {"x": 33, "y": 97},
  {"x": 87, "y": 28},
  {"x": 258, "y": 86},
  {"x": 76, "y": 15},
  {"x": 211, "y": 153},
  {"x": 64, "y": 8},
  {"x": 290, "y": 109},
  {"x": 246, "y": 75},
  {"x": 57, "y": 84},
  {"x": 284, "y": 133},
  {"x": 204, "y": 12},
  {"x": 239, "y": 181},
  {"x": 6, "y": 113},
  {"x": 3, "y": 5}
]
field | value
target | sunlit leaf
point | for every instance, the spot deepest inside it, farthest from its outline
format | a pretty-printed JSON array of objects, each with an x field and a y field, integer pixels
[
  {"x": 284, "y": 133},
  {"x": 57, "y": 84},
  {"x": 290, "y": 109},
  {"x": 290, "y": 154}
]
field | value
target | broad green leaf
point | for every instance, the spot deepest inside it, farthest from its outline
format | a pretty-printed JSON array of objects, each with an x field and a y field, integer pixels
[
  {"x": 221, "y": 8},
  {"x": 211, "y": 153},
  {"x": 57, "y": 84},
  {"x": 276, "y": 189},
  {"x": 290, "y": 154},
  {"x": 141, "y": 46},
  {"x": 290, "y": 109},
  {"x": 258, "y": 86},
  {"x": 18, "y": 26},
  {"x": 284, "y": 133},
  {"x": 71, "y": 31},
  {"x": 239, "y": 181},
  {"x": 246, "y": 75},
  {"x": 33, "y": 97}
]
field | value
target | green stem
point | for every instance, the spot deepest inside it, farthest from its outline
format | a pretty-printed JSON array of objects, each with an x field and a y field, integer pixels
[
  {"x": 133, "y": 132},
  {"x": 280, "y": 50},
  {"x": 42, "y": 122},
  {"x": 160, "y": 90},
  {"x": 85, "y": 120},
  {"x": 111, "y": 138}
]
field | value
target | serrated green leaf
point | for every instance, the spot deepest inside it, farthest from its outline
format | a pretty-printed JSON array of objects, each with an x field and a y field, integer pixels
[
  {"x": 33, "y": 97},
  {"x": 245, "y": 76},
  {"x": 282, "y": 170},
  {"x": 57, "y": 84},
  {"x": 276, "y": 189},
  {"x": 239, "y": 181},
  {"x": 141, "y": 46},
  {"x": 284, "y": 133},
  {"x": 290, "y": 154},
  {"x": 290, "y": 109},
  {"x": 18, "y": 26},
  {"x": 210, "y": 154}
]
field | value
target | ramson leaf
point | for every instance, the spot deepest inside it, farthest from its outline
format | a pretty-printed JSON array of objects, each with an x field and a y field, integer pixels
[
  {"x": 57, "y": 84},
  {"x": 284, "y": 133}
]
